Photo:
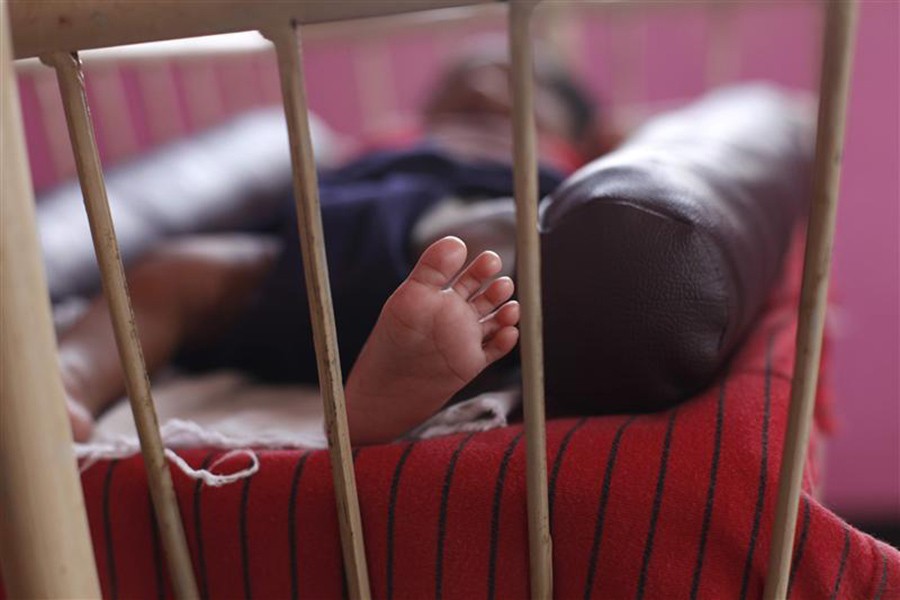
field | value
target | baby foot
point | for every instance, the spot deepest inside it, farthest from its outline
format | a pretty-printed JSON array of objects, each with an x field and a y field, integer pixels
[{"x": 437, "y": 331}]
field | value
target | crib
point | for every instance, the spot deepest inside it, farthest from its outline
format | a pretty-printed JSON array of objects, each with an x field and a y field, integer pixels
[{"x": 46, "y": 548}]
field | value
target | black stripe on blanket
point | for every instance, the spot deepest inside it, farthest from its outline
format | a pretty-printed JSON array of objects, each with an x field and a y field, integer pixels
[
  {"x": 245, "y": 542},
  {"x": 801, "y": 545},
  {"x": 844, "y": 554},
  {"x": 107, "y": 532},
  {"x": 442, "y": 517},
  {"x": 198, "y": 528},
  {"x": 392, "y": 505},
  {"x": 157, "y": 551},
  {"x": 557, "y": 465},
  {"x": 884, "y": 575},
  {"x": 657, "y": 503},
  {"x": 601, "y": 507},
  {"x": 711, "y": 489},
  {"x": 292, "y": 523},
  {"x": 763, "y": 471},
  {"x": 495, "y": 515}
]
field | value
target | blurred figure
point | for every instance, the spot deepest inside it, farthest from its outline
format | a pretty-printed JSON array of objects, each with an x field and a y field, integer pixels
[
  {"x": 469, "y": 109},
  {"x": 240, "y": 302}
]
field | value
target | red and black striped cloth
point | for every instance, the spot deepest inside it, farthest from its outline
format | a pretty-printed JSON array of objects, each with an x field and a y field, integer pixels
[{"x": 672, "y": 505}]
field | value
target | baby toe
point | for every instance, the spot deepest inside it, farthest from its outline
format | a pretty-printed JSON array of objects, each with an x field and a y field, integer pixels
[
  {"x": 480, "y": 270},
  {"x": 500, "y": 344},
  {"x": 499, "y": 291},
  {"x": 506, "y": 316},
  {"x": 440, "y": 262}
]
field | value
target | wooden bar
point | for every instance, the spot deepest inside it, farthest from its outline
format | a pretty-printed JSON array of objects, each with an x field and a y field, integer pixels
[
  {"x": 438, "y": 20},
  {"x": 432, "y": 21},
  {"x": 565, "y": 30},
  {"x": 40, "y": 28},
  {"x": 628, "y": 71},
  {"x": 529, "y": 293},
  {"x": 315, "y": 267},
  {"x": 70, "y": 25},
  {"x": 374, "y": 77},
  {"x": 833, "y": 98},
  {"x": 87, "y": 160},
  {"x": 45, "y": 544},
  {"x": 249, "y": 43},
  {"x": 723, "y": 55}
]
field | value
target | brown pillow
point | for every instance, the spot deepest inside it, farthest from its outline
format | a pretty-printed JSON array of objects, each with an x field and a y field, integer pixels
[{"x": 658, "y": 257}]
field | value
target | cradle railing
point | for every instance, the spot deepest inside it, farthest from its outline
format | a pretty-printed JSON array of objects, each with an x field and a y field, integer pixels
[{"x": 45, "y": 546}]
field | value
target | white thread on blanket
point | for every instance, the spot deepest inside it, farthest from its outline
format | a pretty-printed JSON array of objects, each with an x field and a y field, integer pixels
[
  {"x": 484, "y": 412},
  {"x": 172, "y": 433},
  {"x": 205, "y": 475},
  {"x": 211, "y": 479}
]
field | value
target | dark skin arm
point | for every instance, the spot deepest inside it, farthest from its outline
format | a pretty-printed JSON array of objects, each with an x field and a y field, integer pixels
[{"x": 181, "y": 296}]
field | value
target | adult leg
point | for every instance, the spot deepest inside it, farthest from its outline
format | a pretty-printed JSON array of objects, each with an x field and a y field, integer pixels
[{"x": 182, "y": 295}]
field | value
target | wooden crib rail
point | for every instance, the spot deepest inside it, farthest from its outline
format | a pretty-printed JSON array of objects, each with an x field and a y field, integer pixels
[
  {"x": 834, "y": 91},
  {"x": 40, "y": 28},
  {"x": 315, "y": 268},
  {"x": 528, "y": 260},
  {"x": 45, "y": 545},
  {"x": 112, "y": 272}
]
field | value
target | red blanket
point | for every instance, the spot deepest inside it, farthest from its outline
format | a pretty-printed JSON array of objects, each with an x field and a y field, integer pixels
[{"x": 679, "y": 504}]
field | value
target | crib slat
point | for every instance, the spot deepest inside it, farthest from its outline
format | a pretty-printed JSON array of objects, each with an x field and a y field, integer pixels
[
  {"x": 529, "y": 292},
  {"x": 312, "y": 240},
  {"x": 722, "y": 55},
  {"x": 71, "y": 84},
  {"x": 373, "y": 73},
  {"x": 833, "y": 97},
  {"x": 44, "y": 27},
  {"x": 45, "y": 544}
]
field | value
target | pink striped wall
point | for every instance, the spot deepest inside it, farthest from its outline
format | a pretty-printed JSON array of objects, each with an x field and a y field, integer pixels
[{"x": 864, "y": 468}]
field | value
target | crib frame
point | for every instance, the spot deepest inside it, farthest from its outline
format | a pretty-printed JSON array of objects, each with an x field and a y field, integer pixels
[{"x": 45, "y": 547}]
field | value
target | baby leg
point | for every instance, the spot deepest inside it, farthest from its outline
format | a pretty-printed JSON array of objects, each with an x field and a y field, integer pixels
[{"x": 438, "y": 330}]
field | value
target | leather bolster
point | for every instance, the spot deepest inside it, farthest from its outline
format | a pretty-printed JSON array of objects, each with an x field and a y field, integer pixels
[{"x": 657, "y": 257}]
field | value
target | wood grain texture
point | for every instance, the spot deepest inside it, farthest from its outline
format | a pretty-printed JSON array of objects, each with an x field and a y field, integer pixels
[
  {"x": 70, "y": 25},
  {"x": 45, "y": 544},
  {"x": 840, "y": 25},
  {"x": 529, "y": 294},
  {"x": 137, "y": 383},
  {"x": 315, "y": 267}
]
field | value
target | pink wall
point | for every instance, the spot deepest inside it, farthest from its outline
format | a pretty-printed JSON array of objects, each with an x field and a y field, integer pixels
[{"x": 864, "y": 460}]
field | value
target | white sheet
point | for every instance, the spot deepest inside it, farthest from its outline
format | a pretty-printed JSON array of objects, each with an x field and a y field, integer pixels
[{"x": 227, "y": 410}]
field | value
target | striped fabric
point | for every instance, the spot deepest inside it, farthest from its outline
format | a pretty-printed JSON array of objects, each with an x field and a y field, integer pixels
[{"x": 672, "y": 505}]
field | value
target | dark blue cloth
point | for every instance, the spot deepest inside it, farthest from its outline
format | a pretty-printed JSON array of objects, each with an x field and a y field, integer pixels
[{"x": 368, "y": 211}]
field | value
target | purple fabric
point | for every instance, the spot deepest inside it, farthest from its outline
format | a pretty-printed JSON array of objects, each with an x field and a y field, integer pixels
[{"x": 368, "y": 210}]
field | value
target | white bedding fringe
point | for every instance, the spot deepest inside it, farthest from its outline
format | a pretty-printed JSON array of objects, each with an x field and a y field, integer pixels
[
  {"x": 175, "y": 433},
  {"x": 484, "y": 412}
]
